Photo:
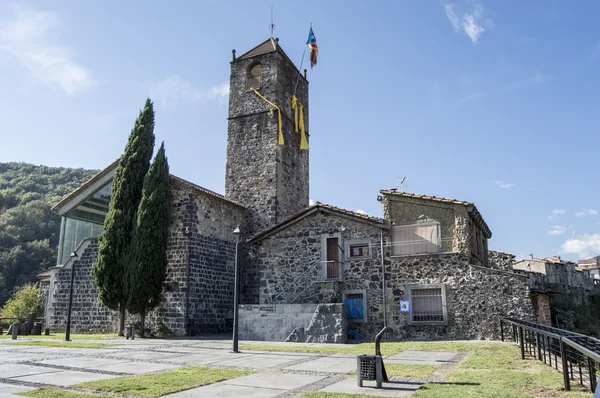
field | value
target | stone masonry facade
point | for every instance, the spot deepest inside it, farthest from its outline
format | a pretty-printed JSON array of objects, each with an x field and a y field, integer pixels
[
  {"x": 271, "y": 180},
  {"x": 475, "y": 296},
  {"x": 197, "y": 292}
]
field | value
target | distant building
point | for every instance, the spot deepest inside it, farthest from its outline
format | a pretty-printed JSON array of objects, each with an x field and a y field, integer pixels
[{"x": 591, "y": 266}]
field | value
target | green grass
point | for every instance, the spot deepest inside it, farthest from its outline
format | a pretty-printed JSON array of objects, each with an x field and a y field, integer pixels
[
  {"x": 491, "y": 370},
  {"x": 157, "y": 384},
  {"x": 387, "y": 348},
  {"x": 61, "y": 336},
  {"x": 496, "y": 370},
  {"x": 64, "y": 344},
  {"x": 58, "y": 393},
  {"x": 333, "y": 395},
  {"x": 407, "y": 370}
]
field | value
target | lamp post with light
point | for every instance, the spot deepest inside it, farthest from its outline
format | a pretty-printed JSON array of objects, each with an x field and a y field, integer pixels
[
  {"x": 73, "y": 258},
  {"x": 236, "y": 289}
]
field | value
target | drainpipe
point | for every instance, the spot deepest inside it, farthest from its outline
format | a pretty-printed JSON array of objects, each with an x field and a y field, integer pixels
[{"x": 383, "y": 281}]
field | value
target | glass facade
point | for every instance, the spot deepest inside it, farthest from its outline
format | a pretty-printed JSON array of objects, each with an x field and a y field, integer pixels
[{"x": 82, "y": 222}]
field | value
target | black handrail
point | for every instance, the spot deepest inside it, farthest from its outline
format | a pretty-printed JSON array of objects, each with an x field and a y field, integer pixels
[{"x": 579, "y": 354}]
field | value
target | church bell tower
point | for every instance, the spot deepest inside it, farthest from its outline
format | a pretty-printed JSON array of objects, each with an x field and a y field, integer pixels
[{"x": 269, "y": 178}]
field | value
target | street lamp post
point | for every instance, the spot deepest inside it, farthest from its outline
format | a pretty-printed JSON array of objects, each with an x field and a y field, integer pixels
[
  {"x": 73, "y": 258},
  {"x": 236, "y": 289}
]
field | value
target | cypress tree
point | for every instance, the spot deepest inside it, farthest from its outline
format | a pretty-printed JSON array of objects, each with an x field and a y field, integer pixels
[
  {"x": 147, "y": 264},
  {"x": 115, "y": 240}
]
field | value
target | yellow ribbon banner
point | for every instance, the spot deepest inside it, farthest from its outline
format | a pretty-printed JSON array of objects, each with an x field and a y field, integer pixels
[
  {"x": 280, "y": 139},
  {"x": 299, "y": 121}
]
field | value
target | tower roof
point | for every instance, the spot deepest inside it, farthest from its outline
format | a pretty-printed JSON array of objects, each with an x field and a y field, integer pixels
[{"x": 268, "y": 46}]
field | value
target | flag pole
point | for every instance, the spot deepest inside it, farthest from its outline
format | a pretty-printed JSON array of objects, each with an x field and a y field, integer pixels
[
  {"x": 301, "y": 63},
  {"x": 298, "y": 78}
]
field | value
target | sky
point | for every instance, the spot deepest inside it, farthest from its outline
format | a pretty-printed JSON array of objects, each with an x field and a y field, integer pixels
[{"x": 492, "y": 102}]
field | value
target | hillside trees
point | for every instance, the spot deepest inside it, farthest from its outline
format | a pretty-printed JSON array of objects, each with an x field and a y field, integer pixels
[
  {"x": 115, "y": 240},
  {"x": 29, "y": 230},
  {"x": 147, "y": 263},
  {"x": 23, "y": 302}
]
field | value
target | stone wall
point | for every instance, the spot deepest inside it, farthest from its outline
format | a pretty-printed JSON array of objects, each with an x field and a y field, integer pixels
[
  {"x": 211, "y": 263},
  {"x": 199, "y": 280},
  {"x": 475, "y": 296},
  {"x": 88, "y": 315},
  {"x": 269, "y": 179},
  {"x": 290, "y": 261},
  {"x": 311, "y": 323}
]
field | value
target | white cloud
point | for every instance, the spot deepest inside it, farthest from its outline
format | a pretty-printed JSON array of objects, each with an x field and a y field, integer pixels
[
  {"x": 362, "y": 212},
  {"x": 174, "y": 89},
  {"x": 586, "y": 212},
  {"x": 472, "y": 24},
  {"x": 311, "y": 202},
  {"x": 556, "y": 213},
  {"x": 584, "y": 246},
  {"x": 27, "y": 37},
  {"x": 504, "y": 184},
  {"x": 557, "y": 230}
]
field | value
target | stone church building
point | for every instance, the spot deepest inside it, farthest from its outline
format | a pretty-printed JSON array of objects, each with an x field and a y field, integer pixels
[{"x": 308, "y": 272}]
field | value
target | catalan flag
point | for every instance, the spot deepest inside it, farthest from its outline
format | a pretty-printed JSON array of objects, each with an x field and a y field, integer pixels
[{"x": 314, "y": 49}]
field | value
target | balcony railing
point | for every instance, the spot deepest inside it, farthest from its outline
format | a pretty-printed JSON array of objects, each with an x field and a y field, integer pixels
[{"x": 332, "y": 271}]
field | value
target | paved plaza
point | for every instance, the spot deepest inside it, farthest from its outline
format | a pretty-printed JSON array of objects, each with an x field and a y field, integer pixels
[{"x": 278, "y": 374}]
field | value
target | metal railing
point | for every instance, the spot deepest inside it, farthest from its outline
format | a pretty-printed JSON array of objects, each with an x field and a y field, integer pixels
[
  {"x": 575, "y": 355},
  {"x": 332, "y": 271}
]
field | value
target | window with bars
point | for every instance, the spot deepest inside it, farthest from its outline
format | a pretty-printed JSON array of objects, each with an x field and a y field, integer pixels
[
  {"x": 420, "y": 238},
  {"x": 427, "y": 304}
]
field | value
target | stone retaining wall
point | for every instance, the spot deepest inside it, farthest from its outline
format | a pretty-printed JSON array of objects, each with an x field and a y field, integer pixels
[{"x": 312, "y": 323}]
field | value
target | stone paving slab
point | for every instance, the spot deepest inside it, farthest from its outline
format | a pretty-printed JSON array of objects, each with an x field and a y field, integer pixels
[
  {"x": 278, "y": 380},
  {"x": 64, "y": 377},
  {"x": 136, "y": 367},
  {"x": 327, "y": 364},
  {"x": 227, "y": 390},
  {"x": 17, "y": 357},
  {"x": 434, "y": 358},
  {"x": 259, "y": 361},
  {"x": 392, "y": 389},
  {"x": 83, "y": 362},
  {"x": 7, "y": 390},
  {"x": 200, "y": 359},
  {"x": 149, "y": 355},
  {"x": 9, "y": 370}
]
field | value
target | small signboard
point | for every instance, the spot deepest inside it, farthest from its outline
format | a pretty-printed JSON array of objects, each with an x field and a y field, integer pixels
[{"x": 404, "y": 306}]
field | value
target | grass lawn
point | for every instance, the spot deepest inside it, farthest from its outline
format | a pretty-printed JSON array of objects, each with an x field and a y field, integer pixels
[
  {"x": 61, "y": 336},
  {"x": 64, "y": 344},
  {"x": 58, "y": 393},
  {"x": 406, "y": 370},
  {"x": 491, "y": 370},
  {"x": 157, "y": 384}
]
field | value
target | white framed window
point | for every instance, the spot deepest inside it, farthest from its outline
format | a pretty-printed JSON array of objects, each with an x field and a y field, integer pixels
[
  {"x": 419, "y": 238},
  {"x": 356, "y": 305},
  {"x": 427, "y": 304},
  {"x": 358, "y": 249}
]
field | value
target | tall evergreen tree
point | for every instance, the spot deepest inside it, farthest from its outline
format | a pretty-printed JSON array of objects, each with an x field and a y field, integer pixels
[
  {"x": 115, "y": 240},
  {"x": 147, "y": 265}
]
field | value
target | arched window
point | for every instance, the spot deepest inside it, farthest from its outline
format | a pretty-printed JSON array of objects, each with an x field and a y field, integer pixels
[{"x": 254, "y": 77}]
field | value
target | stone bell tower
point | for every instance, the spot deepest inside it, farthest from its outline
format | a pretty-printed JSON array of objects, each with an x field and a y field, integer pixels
[{"x": 271, "y": 180}]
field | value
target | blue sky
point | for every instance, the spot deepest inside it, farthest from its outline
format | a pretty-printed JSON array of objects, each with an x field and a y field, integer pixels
[{"x": 491, "y": 102}]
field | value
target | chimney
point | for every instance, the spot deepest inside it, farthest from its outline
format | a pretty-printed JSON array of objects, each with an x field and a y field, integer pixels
[{"x": 531, "y": 256}]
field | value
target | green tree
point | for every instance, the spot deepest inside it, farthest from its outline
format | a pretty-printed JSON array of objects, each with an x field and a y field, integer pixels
[
  {"x": 147, "y": 265},
  {"x": 115, "y": 240},
  {"x": 23, "y": 302}
]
